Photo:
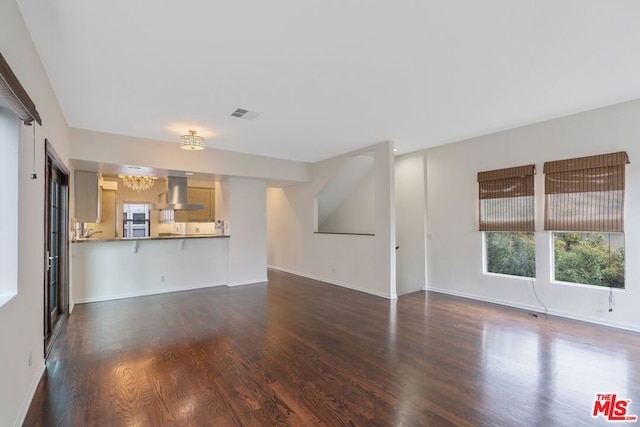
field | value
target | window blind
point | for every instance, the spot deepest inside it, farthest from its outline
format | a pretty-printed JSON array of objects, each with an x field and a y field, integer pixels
[
  {"x": 15, "y": 95},
  {"x": 506, "y": 199},
  {"x": 585, "y": 193}
]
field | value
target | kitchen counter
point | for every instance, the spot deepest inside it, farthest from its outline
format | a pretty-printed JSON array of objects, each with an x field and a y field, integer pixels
[
  {"x": 128, "y": 267},
  {"x": 165, "y": 237}
]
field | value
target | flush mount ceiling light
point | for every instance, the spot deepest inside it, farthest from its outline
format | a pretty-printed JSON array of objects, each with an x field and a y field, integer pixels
[
  {"x": 138, "y": 183},
  {"x": 192, "y": 141}
]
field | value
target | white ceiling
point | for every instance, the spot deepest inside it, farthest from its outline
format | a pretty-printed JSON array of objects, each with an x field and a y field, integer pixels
[{"x": 327, "y": 77}]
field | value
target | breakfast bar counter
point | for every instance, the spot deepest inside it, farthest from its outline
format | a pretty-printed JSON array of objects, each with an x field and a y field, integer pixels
[
  {"x": 106, "y": 269},
  {"x": 160, "y": 237}
]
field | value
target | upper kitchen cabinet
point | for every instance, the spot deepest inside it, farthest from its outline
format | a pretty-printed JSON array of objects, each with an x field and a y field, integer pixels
[
  {"x": 87, "y": 196},
  {"x": 200, "y": 196}
]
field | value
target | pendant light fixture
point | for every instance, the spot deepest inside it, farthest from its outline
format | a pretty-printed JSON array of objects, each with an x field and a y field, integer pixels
[
  {"x": 192, "y": 141},
  {"x": 138, "y": 183}
]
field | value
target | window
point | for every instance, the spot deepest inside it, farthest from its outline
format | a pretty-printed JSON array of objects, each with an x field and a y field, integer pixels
[
  {"x": 510, "y": 253},
  {"x": 589, "y": 258},
  {"x": 14, "y": 101},
  {"x": 506, "y": 215},
  {"x": 9, "y": 135},
  {"x": 584, "y": 207}
]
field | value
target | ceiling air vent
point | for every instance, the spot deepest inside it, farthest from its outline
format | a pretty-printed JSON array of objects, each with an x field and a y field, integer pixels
[{"x": 241, "y": 113}]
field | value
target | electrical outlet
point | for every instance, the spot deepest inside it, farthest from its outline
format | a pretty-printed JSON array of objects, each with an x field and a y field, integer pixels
[
  {"x": 333, "y": 271},
  {"x": 30, "y": 358},
  {"x": 197, "y": 230},
  {"x": 162, "y": 278}
]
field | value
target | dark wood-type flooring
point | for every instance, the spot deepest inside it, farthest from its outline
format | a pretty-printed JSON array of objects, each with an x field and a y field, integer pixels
[{"x": 302, "y": 353}]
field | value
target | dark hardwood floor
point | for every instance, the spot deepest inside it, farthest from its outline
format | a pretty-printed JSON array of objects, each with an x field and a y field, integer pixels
[{"x": 298, "y": 352}]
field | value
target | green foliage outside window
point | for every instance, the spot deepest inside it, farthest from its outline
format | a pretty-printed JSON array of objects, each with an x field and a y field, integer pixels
[
  {"x": 585, "y": 258},
  {"x": 511, "y": 253},
  {"x": 588, "y": 259}
]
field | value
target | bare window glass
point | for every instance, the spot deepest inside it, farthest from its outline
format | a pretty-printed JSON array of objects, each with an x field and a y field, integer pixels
[
  {"x": 589, "y": 258},
  {"x": 511, "y": 253}
]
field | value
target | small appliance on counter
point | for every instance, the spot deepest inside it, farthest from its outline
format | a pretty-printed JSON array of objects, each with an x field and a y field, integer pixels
[{"x": 78, "y": 230}]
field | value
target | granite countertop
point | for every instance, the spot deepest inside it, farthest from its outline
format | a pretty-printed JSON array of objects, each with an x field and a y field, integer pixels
[{"x": 164, "y": 237}]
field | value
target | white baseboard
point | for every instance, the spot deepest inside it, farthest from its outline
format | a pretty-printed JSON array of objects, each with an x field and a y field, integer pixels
[
  {"x": 144, "y": 293},
  {"x": 250, "y": 282},
  {"x": 33, "y": 387},
  {"x": 334, "y": 282},
  {"x": 537, "y": 309}
]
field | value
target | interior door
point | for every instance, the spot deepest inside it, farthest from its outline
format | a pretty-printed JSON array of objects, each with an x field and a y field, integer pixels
[{"x": 56, "y": 242}]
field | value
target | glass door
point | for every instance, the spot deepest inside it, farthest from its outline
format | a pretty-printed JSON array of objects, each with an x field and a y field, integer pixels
[
  {"x": 53, "y": 252},
  {"x": 57, "y": 247}
]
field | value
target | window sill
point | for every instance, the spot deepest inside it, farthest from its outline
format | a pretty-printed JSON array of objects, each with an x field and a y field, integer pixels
[
  {"x": 5, "y": 298},
  {"x": 586, "y": 285},
  {"x": 347, "y": 234},
  {"x": 509, "y": 276}
]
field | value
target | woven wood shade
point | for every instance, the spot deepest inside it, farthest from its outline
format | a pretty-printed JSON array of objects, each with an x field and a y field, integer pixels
[
  {"x": 13, "y": 92},
  {"x": 506, "y": 199},
  {"x": 585, "y": 193}
]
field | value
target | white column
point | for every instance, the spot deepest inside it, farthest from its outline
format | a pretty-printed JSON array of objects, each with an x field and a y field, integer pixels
[{"x": 247, "y": 220}]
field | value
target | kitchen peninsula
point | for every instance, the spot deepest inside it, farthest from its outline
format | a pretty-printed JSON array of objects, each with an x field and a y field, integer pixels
[
  {"x": 106, "y": 269},
  {"x": 176, "y": 256}
]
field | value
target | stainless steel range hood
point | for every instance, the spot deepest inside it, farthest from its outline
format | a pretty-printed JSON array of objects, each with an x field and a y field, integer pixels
[{"x": 175, "y": 198}]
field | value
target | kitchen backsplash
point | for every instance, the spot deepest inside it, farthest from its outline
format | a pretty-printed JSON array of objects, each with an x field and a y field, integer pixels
[
  {"x": 201, "y": 228},
  {"x": 188, "y": 228}
]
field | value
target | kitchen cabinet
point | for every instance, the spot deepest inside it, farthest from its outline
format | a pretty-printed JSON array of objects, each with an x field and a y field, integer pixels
[
  {"x": 200, "y": 196},
  {"x": 108, "y": 215},
  {"x": 87, "y": 196}
]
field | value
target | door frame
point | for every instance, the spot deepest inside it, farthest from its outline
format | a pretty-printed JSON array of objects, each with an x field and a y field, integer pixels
[{"x": 52, "y": 160}]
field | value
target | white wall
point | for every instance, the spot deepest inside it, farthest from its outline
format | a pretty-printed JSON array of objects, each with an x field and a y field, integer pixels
[
  {"x": 455, "y": 253},
  {"x": 365, "y": 263},
  {"x": 114, "y": 149},
  {"x": 222, "y": 200},
  {"x": 247, "y": 223},
  {"x": 411, "y": 222},
  {"x": 21, "y": 319},
  {"x": 121, "y": 269}
]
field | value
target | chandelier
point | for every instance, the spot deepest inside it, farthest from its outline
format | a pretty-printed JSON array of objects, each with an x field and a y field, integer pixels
[
  {"x": 138, "y": 183},
  {"x": 192, "y": 141}
]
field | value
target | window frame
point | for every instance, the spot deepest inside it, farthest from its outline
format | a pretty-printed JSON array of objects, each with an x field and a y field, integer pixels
[
  {"x": 552, "y": 254},
  {"x": 10, "y": 159},
  {"x": 485, "y": 257}
]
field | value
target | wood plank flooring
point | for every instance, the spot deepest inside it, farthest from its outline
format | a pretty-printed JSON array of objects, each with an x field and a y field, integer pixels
[{"x": 297, "y": 352}]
